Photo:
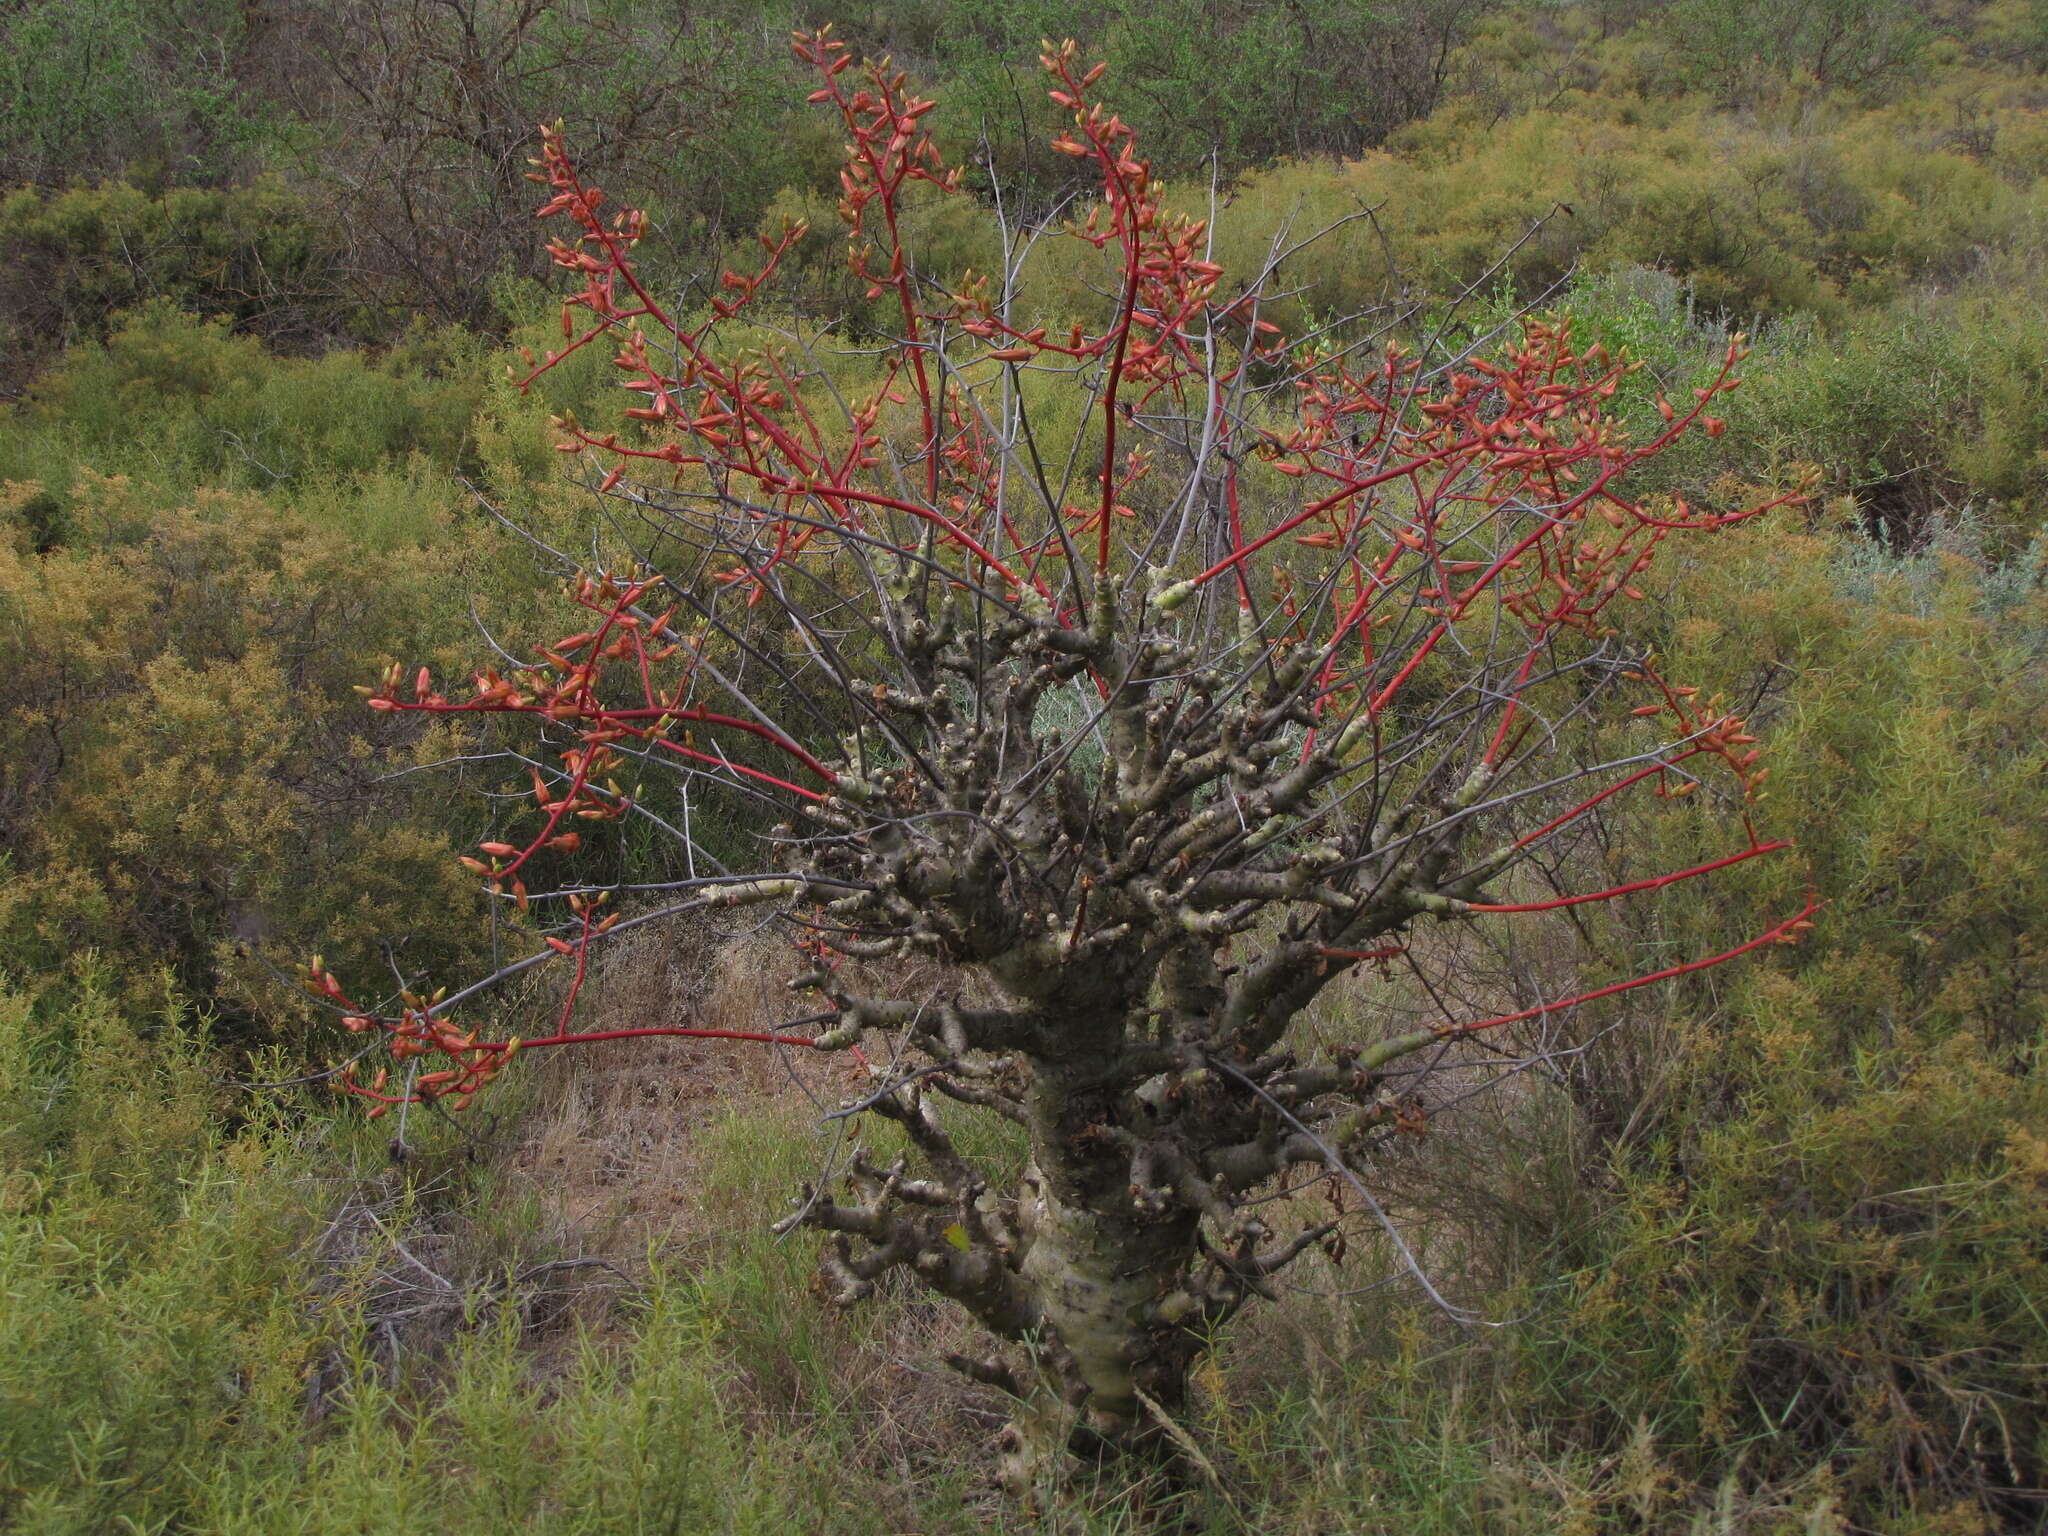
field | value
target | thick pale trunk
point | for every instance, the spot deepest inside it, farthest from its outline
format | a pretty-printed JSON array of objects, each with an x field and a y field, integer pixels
[
  {"x": 1106, "y": 1282},
  {"x": 1102, "y": 1271}
]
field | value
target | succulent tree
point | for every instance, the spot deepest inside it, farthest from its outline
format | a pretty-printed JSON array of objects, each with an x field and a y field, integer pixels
[{"x": 1283, "y": 661}]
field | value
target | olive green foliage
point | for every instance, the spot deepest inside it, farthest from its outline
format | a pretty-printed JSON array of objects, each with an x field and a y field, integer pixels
[
  {"x": 189, "y": 779},
  {"x": 191, "y": 404},
  {"x": 1818, "y": 1262},
  {"x": 253, "y": 254},
  {"x": 98, "y": 87},
  {"x": 1770, "y": 1249},
  {"x": 1211, "y": 86},
  {"x": 1735, "y": 48},
  {"x": 1841, "y": 207},
  {"x": 1926, "y": 409}
]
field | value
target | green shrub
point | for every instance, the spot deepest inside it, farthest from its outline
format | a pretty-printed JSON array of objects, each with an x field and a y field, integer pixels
[
  {"x": 94, "y": 87},
  {"x": 1820, "y": 1249},
  {"x": 187, "y": 403},
  {"x": 1923, "y": 410},
  {"x": 253, "y": 254},
  {"x": 1735, "y": 47},
  {"x": 153, "y": 1310},
  {"x": 206, "y": 1296},
  {"x": 189, "y": 773}
]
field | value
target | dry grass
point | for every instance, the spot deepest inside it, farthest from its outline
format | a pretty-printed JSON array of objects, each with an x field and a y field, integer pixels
[
  {"x": 680, "y": 1153},
  {"x": 613, "y": 1147}
]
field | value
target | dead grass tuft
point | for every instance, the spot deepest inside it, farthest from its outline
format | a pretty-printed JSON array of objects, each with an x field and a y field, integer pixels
[
  {"x": 613, "y": 1146},
  {"x": 682, "y": 1151}
]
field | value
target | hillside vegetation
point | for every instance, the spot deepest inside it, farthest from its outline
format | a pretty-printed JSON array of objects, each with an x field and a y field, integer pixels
[{"x": 1765, "y": 1245}]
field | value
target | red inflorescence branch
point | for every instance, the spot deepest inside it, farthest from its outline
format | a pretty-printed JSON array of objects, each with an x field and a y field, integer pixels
[
  {"x": 418, "y": 1033},
  {"x": 1784, "y": 932},
  {"x": 1633, "y": 888}
]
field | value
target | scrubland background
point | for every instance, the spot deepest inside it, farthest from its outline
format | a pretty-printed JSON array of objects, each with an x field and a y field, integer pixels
[{"x": 1769, "y": 1252}]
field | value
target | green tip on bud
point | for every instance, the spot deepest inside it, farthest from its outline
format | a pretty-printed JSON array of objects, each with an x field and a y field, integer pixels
[
  {"x": 853, "y": 789},
  {"x": 1170, "y": 598},
  {"x": 1475, "y": 786}
]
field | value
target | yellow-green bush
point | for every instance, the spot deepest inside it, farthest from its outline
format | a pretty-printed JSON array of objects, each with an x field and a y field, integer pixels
[
  {"x": 254, "y": 254},
  {"x": 1834, "y": 209},
  {"x": 184, "y": 402},
  {"x": 189, "y": 773},
  {"x": 148, "y": 1275},
  {"x": 1819, "y": 1257}
]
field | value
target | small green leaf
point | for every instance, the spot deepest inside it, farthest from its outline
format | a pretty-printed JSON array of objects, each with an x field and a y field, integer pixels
[{"x": 957, "y": 1236}]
